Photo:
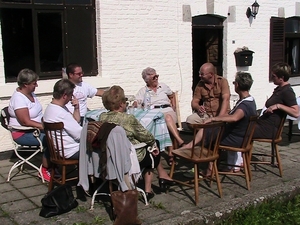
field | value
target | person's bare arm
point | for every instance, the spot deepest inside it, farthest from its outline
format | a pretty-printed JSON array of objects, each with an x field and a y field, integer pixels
[
  {"x": 24, "y": 119},
  {"x": 99, "y": 92},
  {"x": 76, "y": 113},
  {"x": 172, "y": 101},
  {"x": 236, "y": 116},
  {"x": 290, "y": 110},
  {"x": 224, "y": 105},
  {"x": 196, "y": 99},
  {"x": 225, "y": 97}
]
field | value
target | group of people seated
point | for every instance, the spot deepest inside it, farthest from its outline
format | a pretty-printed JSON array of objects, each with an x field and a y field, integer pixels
[{"x": 210, "y": 103}]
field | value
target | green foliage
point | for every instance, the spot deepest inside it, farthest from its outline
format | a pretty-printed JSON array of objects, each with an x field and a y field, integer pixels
[{"x": 272, "y": 212}]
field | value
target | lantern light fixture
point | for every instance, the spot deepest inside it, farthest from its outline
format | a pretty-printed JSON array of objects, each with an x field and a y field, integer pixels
[{"x": 253, "y": 12}]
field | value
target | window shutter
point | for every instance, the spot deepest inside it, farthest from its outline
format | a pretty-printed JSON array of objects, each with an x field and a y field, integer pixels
[{"x": 277, "y": 41}]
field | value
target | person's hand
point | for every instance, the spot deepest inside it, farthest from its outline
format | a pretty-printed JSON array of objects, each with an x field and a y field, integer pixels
[
  {"x": 201, "y": 110},
  {"x": 135, "y": 104},
  {"x": 207, "y": 120},
  {"x": 75, "y": 102},
  {"x": 271, "y": 109}
]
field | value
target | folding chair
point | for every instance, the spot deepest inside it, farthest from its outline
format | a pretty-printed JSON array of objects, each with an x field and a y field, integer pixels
[
  {"x": 274, "y": 148},
  {"x": 245, "y": 150},
  {"x": 54, "y": 138},
  {"x": 205, "y": 153},
  {"x": 20, "y": 148}
]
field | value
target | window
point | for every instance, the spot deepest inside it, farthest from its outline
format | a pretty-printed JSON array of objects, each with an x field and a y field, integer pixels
[
  {"x": 285, "y": 42},
  {"x": 46, "y": 37}
]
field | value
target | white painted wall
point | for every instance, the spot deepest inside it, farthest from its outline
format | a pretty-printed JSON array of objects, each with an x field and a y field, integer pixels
[{"x": 134, "y": 34}]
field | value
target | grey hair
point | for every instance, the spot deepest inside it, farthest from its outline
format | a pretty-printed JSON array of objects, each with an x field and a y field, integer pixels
[
  {"x": 244, "y": 80},
  {"x": 26, "y": 76},
  {"x": 146, "y": 72},
  {"x": 61, "y": 87}
]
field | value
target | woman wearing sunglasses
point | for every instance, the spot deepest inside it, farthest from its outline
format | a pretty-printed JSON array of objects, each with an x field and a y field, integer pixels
[{"x": 161, "y": 97}]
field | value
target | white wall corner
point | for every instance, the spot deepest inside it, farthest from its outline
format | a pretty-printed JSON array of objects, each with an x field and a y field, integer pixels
[
  {"x": 231, "y": 15},
  {"x": 281, "y": 12}
]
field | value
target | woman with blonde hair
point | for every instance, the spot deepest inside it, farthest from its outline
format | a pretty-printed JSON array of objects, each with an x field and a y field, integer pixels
[{"x": 114, "y": 100}]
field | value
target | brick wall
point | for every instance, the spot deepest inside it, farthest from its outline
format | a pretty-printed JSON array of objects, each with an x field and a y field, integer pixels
[{"x": 134, "y": 34}]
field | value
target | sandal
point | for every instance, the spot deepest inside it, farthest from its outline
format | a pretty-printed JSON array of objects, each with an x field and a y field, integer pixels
[
  {"x": 182, "y": 144},
  {"x": 171, "y": 160}
]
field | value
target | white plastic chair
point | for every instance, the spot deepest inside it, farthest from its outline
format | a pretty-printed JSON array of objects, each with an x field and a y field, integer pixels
[{"x": 20, "y": 148}]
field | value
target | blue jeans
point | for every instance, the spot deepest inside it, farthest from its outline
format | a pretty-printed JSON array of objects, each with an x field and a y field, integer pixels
[{"x": 30, "y": 140}]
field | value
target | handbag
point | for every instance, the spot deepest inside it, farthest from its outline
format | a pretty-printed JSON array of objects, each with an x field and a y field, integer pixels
[
  {"x": 125, "y": 207},
  {"x": 58, "y": 201}
]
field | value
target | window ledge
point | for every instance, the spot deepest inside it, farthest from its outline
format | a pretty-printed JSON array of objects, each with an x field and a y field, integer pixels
[
  {"x": 46, "y": 86},
  {"x": 294, "y": 81}
]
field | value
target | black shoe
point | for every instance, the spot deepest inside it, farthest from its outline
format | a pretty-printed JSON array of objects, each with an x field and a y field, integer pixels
[
  {"x": 149, "y": 195},
  {"x": 165, "y": 184},
  {"x": 80, "y": 193}
]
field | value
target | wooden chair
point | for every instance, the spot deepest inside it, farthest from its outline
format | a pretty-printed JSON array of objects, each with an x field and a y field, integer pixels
[
  {"x": 245, "y": 149},
  {"x": 274, "y": 148},
  {"x": 33, "y": 150},
  {"x": 205, "y": 152},
  {"x": 54, "y": 138}
]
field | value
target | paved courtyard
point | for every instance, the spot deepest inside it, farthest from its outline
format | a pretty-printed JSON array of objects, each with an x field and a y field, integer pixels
[{"x": 20, "y": 199}]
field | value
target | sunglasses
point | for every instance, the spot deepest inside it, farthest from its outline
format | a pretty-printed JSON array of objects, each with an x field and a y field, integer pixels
[{"x": 155, "y": 77}]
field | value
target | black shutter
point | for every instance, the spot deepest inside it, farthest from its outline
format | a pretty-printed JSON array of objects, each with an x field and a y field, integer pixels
[
  {"x": 277, "y": 41},
  {"x": 81, "y": 38}
]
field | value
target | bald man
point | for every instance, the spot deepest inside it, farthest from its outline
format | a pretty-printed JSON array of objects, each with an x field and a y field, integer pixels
[{"x": 211, "y": 96}]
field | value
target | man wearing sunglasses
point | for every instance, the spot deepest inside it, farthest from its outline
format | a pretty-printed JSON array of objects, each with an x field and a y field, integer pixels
[
  {"x": 82, "y": 90},
  {"x": 211, "y": 95}
]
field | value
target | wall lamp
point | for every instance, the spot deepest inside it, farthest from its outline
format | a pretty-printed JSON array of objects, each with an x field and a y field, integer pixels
[{"x": 254, "y": 11}]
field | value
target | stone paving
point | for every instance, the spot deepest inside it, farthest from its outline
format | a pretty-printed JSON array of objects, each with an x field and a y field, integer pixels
[{"x": 20, "y": 199}]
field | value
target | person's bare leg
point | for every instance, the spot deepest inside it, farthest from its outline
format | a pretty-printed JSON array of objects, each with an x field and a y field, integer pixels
[
  {"x": 198, "y": 138},
  {"x": 162, "y": 173},
  {"x": 148, "y": 181},
  {"x": 173, "y": 129},
  {"x": 45, "y": 162}
]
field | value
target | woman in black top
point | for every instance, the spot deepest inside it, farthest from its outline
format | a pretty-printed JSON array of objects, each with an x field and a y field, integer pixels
[{"x": 282, "y": 102}]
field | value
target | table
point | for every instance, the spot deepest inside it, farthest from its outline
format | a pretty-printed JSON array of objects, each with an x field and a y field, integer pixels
[{"x": 153, "y": 120}]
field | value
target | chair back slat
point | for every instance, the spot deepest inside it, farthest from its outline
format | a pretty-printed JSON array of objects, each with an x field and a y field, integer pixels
[
  {"x": 280, "y": 128},
  {"x": 54, "y": 139},
  {"x": 247, "y": 142},
  {"x": 5, "y": 117},
  {"x": 210, "y": 139}
]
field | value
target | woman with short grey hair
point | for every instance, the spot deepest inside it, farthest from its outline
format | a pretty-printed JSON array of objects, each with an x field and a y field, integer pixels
[
  {"x": 25, "y": 110},
  {"x": 161, "y": 98}
]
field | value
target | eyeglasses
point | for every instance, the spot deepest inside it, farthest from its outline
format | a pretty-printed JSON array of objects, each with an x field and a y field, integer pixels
[
  {"x": 203, "y": 74},
  {"x": 80, "y": 73},
  {"x": 155, "y": 77}
]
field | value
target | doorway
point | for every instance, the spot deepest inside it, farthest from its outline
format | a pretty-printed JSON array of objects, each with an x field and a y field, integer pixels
[{"x": 207, "y": 41}]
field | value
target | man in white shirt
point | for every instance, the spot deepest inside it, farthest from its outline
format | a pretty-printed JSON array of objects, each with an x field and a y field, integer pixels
[
  {"x": 57, "y": 111},
  {"x": 82, "y": 90}
]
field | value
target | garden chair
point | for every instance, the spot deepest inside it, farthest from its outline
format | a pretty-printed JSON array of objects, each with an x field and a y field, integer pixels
[
  {"x": 274, "y": 148},
  {"x": 20, "y": 149},
  {"x": 205, "y": 152},
  {"x": 245, "y": 149},
  {"x": 54, "y": 139}
]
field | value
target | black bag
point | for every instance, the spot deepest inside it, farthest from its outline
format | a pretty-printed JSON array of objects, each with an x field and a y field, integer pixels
[{"x": 58, "y": 201}]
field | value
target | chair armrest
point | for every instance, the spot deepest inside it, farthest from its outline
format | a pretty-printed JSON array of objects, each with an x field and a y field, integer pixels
[
  {"x": 36, "y": 131},
  {"x": 22, "y": 128}
]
